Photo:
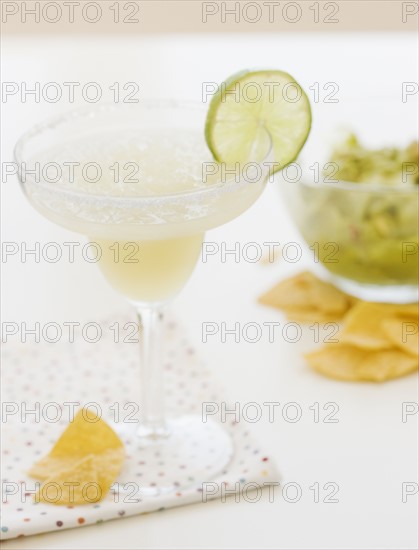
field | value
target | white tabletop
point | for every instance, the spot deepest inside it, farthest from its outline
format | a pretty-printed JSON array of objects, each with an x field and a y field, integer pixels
[{"x": 370, "y": 452}]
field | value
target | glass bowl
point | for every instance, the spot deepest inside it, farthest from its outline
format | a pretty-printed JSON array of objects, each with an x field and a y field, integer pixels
[{"x": 364, "y": 235}]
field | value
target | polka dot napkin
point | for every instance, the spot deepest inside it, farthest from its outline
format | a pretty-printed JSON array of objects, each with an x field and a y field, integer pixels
[{"x": 47, "y": 378}]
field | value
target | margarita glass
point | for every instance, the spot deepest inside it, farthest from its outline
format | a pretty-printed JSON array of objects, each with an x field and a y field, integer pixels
[{"x": 139, "y": 181}]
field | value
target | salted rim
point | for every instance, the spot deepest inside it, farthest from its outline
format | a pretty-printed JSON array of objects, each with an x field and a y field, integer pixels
[{"x": 52, "y": 122}]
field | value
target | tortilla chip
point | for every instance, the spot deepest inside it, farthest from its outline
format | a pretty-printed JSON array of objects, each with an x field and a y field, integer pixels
[
  {"x": 308, "y": 293},
  {"x": 338, "y": 361},
  {"x": 363, "y": 327},
  {"x": 87, "y": 434},
  {"x": 73, "y": 486},
  {"x": 88, "y": 447},
  {"x": 403, "y": 333},
  {"x": 352, "y": 363},
  {"x": 50, "y": 466},
  {"x": 406, "y": 310},
  {"x": 385, "y": 365}
]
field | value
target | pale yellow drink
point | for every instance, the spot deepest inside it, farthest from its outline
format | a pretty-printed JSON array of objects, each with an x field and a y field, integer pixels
[{"x": 152, "y": 270}]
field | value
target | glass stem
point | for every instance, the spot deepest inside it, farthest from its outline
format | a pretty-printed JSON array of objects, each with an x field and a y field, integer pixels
[{"x": 152, "y": 423}]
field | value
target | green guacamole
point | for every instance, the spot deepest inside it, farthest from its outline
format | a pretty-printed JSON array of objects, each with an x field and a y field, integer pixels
[{"x": 367, "y": 233}]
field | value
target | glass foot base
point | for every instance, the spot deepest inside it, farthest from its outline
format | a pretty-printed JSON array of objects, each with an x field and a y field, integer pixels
[
  {"x": 391, "y": 294},
  {"x": 192, "y": 453}
]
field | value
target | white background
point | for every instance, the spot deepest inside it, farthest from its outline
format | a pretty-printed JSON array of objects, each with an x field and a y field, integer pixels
[{"x": 370, "y": 452}]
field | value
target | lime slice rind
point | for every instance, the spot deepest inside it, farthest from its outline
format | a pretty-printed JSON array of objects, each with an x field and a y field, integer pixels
[{"x": 251, "y": 102}]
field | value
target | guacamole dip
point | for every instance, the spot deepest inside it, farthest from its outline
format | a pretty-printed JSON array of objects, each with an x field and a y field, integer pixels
[
  {"x": 367, "y": 232},
  {"x": 390, "y": 165}
]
